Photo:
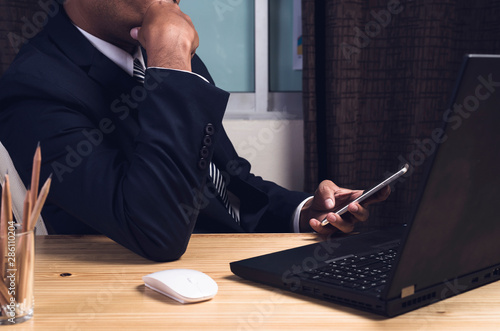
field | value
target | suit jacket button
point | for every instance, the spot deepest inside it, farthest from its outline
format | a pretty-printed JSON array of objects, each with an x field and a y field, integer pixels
[
  {"x": 210, "y": 129},
  {"x": 204, "y": 152},
  {"x": 207, "y": 140},
  {"x": 202, "y": 164}
]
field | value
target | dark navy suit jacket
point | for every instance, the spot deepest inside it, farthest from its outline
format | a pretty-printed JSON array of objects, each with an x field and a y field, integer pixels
[{"x": 128, "y": 161}]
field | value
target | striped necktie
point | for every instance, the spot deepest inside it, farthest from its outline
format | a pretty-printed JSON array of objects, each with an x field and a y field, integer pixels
[
  {"x": 139, "y": 72},
  {"x": 215, "y": 175},
  {"x": 220, "y": 186}
]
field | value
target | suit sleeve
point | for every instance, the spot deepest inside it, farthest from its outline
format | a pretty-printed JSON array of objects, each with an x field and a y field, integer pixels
[{"x": 145, "y": 201}]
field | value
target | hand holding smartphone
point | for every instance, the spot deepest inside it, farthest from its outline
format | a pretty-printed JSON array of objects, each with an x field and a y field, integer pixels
[{"x": 373, "y": 190}]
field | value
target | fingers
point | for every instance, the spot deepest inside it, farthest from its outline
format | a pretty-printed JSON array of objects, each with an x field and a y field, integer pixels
[
  {"x": 381, "y": 195},
  {"x": 168, "y": 35},
  {"x": 329, "y": 196},
  {"x": 336, "y": 223},
  {"x": 318, "y": 228},
  {"x": 344, "y": 223},
  {"x": 360, "y": 213}
]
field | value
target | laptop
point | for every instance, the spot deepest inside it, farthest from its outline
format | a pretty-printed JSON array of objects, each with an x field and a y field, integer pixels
[{"x": 452, "y": 243}]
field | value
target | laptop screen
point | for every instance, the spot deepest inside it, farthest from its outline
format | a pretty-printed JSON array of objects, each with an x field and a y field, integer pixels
[{"x": 456, "y": 229}]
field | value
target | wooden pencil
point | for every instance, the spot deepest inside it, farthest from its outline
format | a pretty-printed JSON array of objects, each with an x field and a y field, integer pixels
[
  {"x": 37, "y": 208},
  {"x": 4, "y": 294},
  {"x": 35, "y": 175},
  {"x": 26, "y": 210},
  {"x": 25, "y": 267},
  {"x": 6, "y": 207},
  {"x": 5, "y": 219}
]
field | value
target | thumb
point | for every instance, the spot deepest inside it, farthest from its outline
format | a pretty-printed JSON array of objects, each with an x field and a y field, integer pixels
[{"x": 324, "y": 197}]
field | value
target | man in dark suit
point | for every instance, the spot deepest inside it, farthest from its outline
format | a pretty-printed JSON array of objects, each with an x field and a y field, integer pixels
[{"x": 134, "y": 157}]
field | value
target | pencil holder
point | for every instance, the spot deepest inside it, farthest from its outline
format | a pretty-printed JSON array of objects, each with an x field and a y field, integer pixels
[{"x": 17, "y": 276}]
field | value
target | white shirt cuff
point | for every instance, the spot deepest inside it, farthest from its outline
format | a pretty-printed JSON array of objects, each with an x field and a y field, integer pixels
[
  {"x": 190, "y": 72},
  {"x": 296, "y": 216}
]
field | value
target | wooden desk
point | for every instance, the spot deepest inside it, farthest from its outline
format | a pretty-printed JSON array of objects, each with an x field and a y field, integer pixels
[{"x": 105, "y": 291}]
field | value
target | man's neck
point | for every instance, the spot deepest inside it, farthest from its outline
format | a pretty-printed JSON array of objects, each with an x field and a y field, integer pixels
[{"x": 77, "y": 16}]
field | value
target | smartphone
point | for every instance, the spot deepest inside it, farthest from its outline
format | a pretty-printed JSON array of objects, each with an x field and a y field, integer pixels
[{"x": 373, "y": 190}]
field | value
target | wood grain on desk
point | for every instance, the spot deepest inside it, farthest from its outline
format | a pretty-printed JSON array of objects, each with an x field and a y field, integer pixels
[{"x": 92, "y": 283}]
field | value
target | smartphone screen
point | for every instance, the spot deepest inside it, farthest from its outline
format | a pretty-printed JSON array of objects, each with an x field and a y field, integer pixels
[{"x": 372, "y": 190}]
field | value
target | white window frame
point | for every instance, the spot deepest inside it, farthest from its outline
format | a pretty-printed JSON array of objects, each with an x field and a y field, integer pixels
[{"x": 263, "y": 104}]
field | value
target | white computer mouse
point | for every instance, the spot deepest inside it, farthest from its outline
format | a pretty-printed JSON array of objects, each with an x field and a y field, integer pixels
[{"x": 183, "y": 285}]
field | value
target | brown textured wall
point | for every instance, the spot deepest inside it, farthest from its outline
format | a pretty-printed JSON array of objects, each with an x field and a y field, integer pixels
[
  {"x": 19, "y": 21},
  {"x": 388, "y": 80}
]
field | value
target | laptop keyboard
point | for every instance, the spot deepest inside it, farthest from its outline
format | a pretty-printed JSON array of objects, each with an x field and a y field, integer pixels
[{"x": 359, "y": 272}]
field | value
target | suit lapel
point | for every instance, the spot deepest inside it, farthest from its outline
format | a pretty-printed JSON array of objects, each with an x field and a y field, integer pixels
[
  {"x": 86, "y": 56},
  {"x": 113, "y": 81}
]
